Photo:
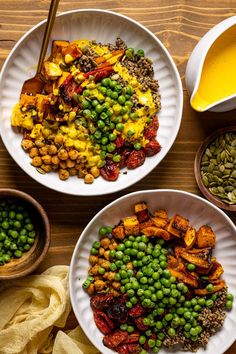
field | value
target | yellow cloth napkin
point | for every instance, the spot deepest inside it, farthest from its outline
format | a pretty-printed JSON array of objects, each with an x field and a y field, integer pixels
[{"x": 31, "y": 307}]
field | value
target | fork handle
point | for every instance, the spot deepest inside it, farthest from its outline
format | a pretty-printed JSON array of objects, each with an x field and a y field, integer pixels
[{"x": 47, "y": 32}]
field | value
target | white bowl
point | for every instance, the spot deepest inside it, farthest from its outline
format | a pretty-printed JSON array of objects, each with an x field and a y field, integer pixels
[
  {"x": 196, "y": 61},
  {"x": 199, "y": 212},
  {"x": 104, "y": 26}
]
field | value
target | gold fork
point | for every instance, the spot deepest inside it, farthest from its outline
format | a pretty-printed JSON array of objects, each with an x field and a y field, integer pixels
[{"x": 35, "y": 84}]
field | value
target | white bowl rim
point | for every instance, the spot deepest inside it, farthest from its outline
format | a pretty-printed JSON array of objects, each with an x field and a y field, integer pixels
[
  {"x": 179, "y": 88},
  {"x": 127, "y": 196}
]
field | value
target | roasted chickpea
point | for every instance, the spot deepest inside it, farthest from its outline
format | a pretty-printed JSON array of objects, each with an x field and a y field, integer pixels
[
  {"x": 52, "y": 149},
  {"x": 94, "y": 270},
  {"x": 43, "y": 150},
  {"x": 55, "y": 160},
  {"x": 95, "y": 171},
  {"x": 37, "y": 161},
  {"x": 99, "y": 285},
  {"x": 93, "y": 259},
  {"x": 46, "y": 132},
  {"x": 116, "y": 285},
  {"x": 107, "y": 255},
  {"x": 72, "y": 171},
  {"x": 62, "y": 154},
  {"x": 109, "y": 275},
  {"x": 39, "y": 143},
  {"x": 105, "y": 242},
  {"x": 63, "y": 165},
  {"x": 77, "y": 166},
  {"x": 63, "y": 174},
  {"x": 27, "y": 144},
  {"x": 54, "y": 167},
  {"x": 34, "y": 152},
  {"x": 88, "y": 179},
  {"x": 46, "y": 168},
  {"x": 101, "y": 251},
  {"x": 70, "y": 163},
  {"x": 82, "y": 173},
  {"x": 73, "y": 154},
  {"x": 91, "y": 289},
  {"x": 59, "y": 138},
  {"x": 47, "y": 159},
  {"x": 104, "y": 263}
]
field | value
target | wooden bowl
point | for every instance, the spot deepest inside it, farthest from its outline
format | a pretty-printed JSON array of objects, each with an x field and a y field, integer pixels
[
  {"x": 30, "y": 260},
  {"x": 197, "y": 168}
]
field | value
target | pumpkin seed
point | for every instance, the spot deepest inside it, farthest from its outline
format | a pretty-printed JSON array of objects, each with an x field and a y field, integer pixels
[{"x": 218, "y": 168}]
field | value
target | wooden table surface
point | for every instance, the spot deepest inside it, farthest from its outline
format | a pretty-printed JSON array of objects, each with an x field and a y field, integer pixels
[{"x": 179, "y": 24}]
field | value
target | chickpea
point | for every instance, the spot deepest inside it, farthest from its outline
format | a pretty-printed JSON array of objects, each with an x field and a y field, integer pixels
[
  {"x": 43, "y": 150},
  {"x": 73, "y": 154},
  {"x": 27, "y": 144},
  {"x": 47, "y": 159},
  {"x": 116, "y": 285},
  {"x": 46, "y": 168},
  {"x": 95, "y": 171},
  {"x": 99, "y": 285},
  {"x": 39, "y": 143},
  {"x": 34, "y": 152},
  {"x": 93, "y": 259},
  {"x": 63, "y": 154},
  {"x": 104, "y": 263},
  {"x": 72, "y": 171},
  {"x": 70, "y": 163},
  {"x": 52, "y": 149},
  {"x": 63, "y": 174},
  {"x": 54, "y": 167},
  {"x": 82, "y": 173},
  {"x": 91, "y": 289},
  {"x": 101, "y": 251},
  {"x": 94, "y": 270},
  {"x": 59, "y": 138},
  {"x": 55, "y": 160},
  {"x": 107, "y": 255},
  {"x": 63, "y": 165},
  {"x": 37, "y": 161},
  {"x": 88, "y": 179},
  {"x": 105, "y": 242},
  {"x": 129, "y": 265},
  {"x": 114, "y": 292},
  {"x": 77, "y": 166},
  {"x": 109, "y": 276}
]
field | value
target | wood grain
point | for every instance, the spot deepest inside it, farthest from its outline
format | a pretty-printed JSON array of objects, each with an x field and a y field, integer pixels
[{"x": 179, "y": 24}]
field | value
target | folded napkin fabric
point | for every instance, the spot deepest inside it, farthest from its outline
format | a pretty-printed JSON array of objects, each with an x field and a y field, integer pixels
[{"x": 31, "y": 307}]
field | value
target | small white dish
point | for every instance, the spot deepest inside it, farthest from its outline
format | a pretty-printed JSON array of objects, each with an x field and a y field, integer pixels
[
  {"x": 103, "y": 26},
  {"x": 200, "y": 212},
  {"x": 196, "y": 61}
]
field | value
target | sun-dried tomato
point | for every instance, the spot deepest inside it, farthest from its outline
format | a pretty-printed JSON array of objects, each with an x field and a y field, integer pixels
[
  {"x": 124, "y": 154},
  {"x": 102, "y": 301},
  {"x": 151, "y": 130},
  {"x": 133, "y": 338},
  {"x": 129, "y": 348},
  {"x": 103, "y": 322},
  {"x": 118, "y": 311},
  {"x": 136, "y": 311},
  {"x": 152, "y": 148},
  {"x": 114, "y": 339},
  {"x": 139, "y": 324},
  {"x": 119, "y": 141},
  {"x": 135, "y": 159},
  {"x": 110, "y": 171},
  {"x": 68, "y": 88}
]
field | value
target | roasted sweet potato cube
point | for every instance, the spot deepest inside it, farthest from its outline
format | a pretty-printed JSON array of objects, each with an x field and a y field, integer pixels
[
  {"x": 180, "y": 223},
  {"x": 141, "y": 211},
  {"x": 71, "y": 52},
  {"x": 57, "y": 47},
  {"x": 131, "y": 225},
  {"x": 145, "y": 224},
  {"x": 199, "y": 257},
  {"x": 156, "y": 231},
  {"x": 27, "y": 100},
  {"x": 216, "y": 270},
  {"x": 119, "y": 232},
  {"x": 52, "y": 70},
  {"x": 190, "y": 237},
  {"x": 159, "y": 222},
  {"x": 206, "y": 237},
  {"x": 161, "y": 213},
  {"x": 171, "y": 229}
]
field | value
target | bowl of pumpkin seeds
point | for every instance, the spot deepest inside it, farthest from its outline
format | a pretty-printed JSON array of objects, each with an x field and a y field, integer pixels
[{"x": 215, "y": 168}]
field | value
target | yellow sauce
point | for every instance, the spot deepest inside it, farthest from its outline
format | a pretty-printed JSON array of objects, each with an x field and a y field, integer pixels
[{"x": 218, "y": 78}]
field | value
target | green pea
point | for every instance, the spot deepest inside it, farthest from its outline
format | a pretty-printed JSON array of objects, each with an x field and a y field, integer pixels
[
  {"x": 86, "y": 93},
  {"x": 5, "y": 225},
  {"x": 230, "y": 297},
  {"x": 140, "y": 53},
  {"x": 151, "y": 343},
  {"x": 193, "y": 332},
  {"x": 100, "y": 124},
  {"x": 171, "y": 332},
  {"x": 85, "y": 104},
  {"x": 12, "y": 215},
  {"x": 129, "y": 305},
  {"x": 2, "y": 236},
  {"x": 129, "y": 54},
  {"x": 229, "y": 304},
  {"x": 201, "y": 301},
  {"x": 93, "y": 251},
  {"x": 18, "y": 253},
  {"x": 27, "y": 247},
  {"x": 121, "y": 99},
  {"x": 6, "y": 258},
  {"x": 209, "y": 303},
  {"x": 163, "y": 264},
  {"x": 106, "y": 82},
  {"x": 210, "y": 288},
  {"x": 101, "y": 270}
]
